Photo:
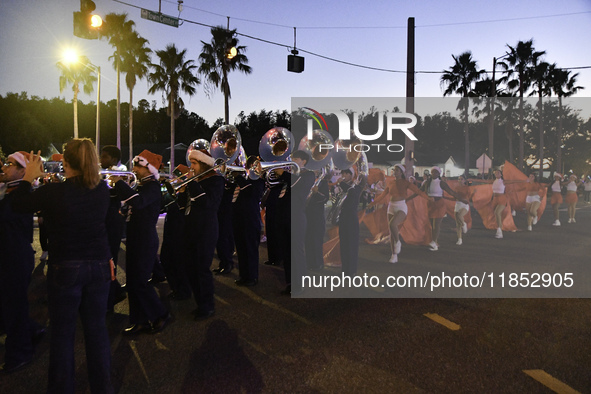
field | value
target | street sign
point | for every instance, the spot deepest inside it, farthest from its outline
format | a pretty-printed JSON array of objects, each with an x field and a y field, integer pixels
[{"x": 159, "y": 17}]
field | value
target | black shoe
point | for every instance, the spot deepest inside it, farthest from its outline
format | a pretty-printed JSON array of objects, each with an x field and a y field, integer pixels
[
  {"x": 136, "y": 329},
  {"x": 38, "y": 335},
  {"x": 120, "y": 297},
  {"x": 159, "y": 324},
  {"x": 223, "y": 271},
  {"x": 178, "y": 297},
  {"x": 269, "y": 262},
  {"x": 216, "y": 270},
  {"x": 9, "y": 367},
  {"x": 202, "y": 315},
  {"x": 246, "y": 282},
  {"x": 287, "y": 290}
]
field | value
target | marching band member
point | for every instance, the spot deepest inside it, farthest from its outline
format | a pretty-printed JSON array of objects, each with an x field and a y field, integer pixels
[
  {"x": 571, "y": 197},
  {"x": 173, "y": 254},
  {"x": 201, "y": 200},
  {"x": 461, "y": 209},
  {"x": 110, "y": 159},
  {"x": 225, "y": 244},
  {"x": 247, "y": 226},
  {"x": 397, "y": 209},
  {"x": 316, "y": 225},
  {"x": 556, "y": 199},
  {"x": 533, "y": 200},
  {"x": 79, "y": 270},
  {"x": 349, "y": 222},
  {"x": 434, "y": 187},
  {"x": 16, "y": 266},
  {"x": 146, "y": 311},
  {"x": 291, "y": 212},
  {"x": 272, "y": 223}
]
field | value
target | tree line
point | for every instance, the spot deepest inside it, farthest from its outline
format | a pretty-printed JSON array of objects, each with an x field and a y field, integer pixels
[{"x": 524, "y": 72}]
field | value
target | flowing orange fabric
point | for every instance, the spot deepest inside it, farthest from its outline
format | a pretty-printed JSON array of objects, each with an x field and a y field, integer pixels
[
  {"x": 450, "y": 205},
  {"x": 517, "y": 192},
  {"x": 416, "y": 229}
]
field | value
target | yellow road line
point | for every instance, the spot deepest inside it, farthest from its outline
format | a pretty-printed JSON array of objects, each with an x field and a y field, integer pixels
[
  {"x": 443, "y": 321},
  {"x": 549, "y": 381},
  {"x": 139, "y": 360},
  {"x": 221, "y": 300},
  {"x": 230, "y": 283},
  {"x": 160, "y": 345}
]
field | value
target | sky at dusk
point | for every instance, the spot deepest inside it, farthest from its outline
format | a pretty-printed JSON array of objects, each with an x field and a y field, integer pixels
[{"x": 33, "y": 35}]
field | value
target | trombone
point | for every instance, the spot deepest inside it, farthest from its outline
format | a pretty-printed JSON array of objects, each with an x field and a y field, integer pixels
[{"x": 218, "y": 163}]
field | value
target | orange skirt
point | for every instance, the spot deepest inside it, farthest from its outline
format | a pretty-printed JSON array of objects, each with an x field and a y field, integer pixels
[
  {"x": 436, "y": 208},
  {"x": 499, "y": 200},
  {"x": 556, "y": 198},
  {"x": 571, "y": 198}
]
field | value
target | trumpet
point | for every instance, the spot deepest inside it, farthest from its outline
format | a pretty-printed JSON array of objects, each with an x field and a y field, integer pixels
[{"x": 130, "y": 177}]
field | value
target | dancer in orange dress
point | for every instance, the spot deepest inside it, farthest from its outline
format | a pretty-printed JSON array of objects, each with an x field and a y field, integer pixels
[
  {"x": 397, "y": 209},
  {"x": 533, "y": 200},
  {"x": 556, "y": 197},
  {"x": 571, "y": 197},
  {"x": 461, "y": 209},
  {"x": 434, "y": 187}
]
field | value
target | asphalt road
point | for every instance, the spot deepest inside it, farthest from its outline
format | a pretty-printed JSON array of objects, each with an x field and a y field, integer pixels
[{"x": 261, "y": 341}]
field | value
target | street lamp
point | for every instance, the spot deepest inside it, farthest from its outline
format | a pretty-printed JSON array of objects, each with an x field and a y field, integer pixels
[{"x": 70, "y": 56}]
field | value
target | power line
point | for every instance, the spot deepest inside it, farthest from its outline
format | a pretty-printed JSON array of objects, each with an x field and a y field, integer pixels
[{"x": 343, "y": 61}]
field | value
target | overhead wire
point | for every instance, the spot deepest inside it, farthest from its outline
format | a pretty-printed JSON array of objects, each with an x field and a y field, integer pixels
[{"x": 359, "y": 27}]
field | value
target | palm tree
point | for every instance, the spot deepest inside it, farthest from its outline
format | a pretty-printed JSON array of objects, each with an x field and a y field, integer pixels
[
  {"x": 76, "y": 73},
  {"x": 461, "y": 79},
  {"x": 173, "y": 75},
  {"x": 119, "y": 31},
  {"x": 215, "y": 64},
  {"x": 518, "y": 61},
  {"x": 540, "y": 77},
  {"x": 562, "y": 85},
  {"x": 134, "y": 64}
]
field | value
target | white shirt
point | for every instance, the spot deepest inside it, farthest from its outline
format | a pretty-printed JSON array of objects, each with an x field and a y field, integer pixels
[
  {"x": 498, "y": 186},
  {"x": 435, "y": 189}
]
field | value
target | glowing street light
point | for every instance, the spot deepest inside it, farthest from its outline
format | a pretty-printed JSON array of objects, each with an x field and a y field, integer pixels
[{"x": 71, "y": 56}]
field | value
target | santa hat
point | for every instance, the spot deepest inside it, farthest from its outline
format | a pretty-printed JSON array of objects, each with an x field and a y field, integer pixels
[
  {"x": 57, "y": 157},
  {"x": 181, "y": 169},
  {"x": 150, "y": 160},
  {"x": 438, "y": 169},
  {"x": 21, "y": 157},
  {"x": 202, "y": 156},
  {"x": 401, "y": 167}
]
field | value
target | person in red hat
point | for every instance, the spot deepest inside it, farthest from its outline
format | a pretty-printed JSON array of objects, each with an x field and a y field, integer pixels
[
  {"x": 16, "y": 266},
  {"x": 201, "y": 201},
  {"x": 146, "y": 311}
]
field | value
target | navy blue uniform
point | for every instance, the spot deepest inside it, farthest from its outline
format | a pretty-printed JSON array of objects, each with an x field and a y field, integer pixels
[
  {"x": 78, "y": 277},
  {"x": 291, "y": 210},
  {"x": 225, "y": 244},
  {"x": 173, "y": 253},
  {"x": 316, "y": 225},
  {"x": 202, "y": 201},
  {"x": 115, "y": 224},
  {"x": 272, "y": 223},
  {"x": 16, "y": 265},
  {"x": 247, "y": 227},
  {"x": 142, "y": 248},
  {"x": 349, "y": 227}
]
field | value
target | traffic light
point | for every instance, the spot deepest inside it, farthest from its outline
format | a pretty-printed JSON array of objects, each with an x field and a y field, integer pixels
[
  {"x": 85, "y": 23},
  {"x": 231, "y": 43},
  {"x": 295, "y": 63}
]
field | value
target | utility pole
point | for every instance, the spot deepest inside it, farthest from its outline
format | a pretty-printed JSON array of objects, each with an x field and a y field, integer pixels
[{"x": 409, "y": 145}]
